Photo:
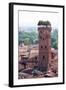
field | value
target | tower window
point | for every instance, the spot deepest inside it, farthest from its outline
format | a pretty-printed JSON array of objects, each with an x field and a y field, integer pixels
[
  {"x": 41, "y": 46},
  {"x": 43, "y": 57},
  {"x": 45, "y": 47},
  {"x": 43, "y": 38},
  {"x": 35, "y": 57}
]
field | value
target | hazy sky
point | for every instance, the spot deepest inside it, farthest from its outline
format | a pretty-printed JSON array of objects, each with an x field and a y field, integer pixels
[{"x": 28, "y": 19}]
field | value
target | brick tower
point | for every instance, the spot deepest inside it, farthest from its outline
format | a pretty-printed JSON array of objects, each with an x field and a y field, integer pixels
[{"x": 44, "y": 29}]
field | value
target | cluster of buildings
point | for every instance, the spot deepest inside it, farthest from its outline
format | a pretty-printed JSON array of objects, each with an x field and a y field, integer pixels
[{"x": 41, "y": 56}]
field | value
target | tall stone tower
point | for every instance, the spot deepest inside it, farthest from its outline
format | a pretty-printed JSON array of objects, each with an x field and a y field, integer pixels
[{"x": 44, "y": 29}]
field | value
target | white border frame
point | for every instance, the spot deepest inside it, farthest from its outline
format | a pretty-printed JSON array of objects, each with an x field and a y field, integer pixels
[{"x": 58, "y": 79}]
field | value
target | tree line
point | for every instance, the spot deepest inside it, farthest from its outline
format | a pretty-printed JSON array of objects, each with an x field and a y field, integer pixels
[{"x": 29, "y": 38}]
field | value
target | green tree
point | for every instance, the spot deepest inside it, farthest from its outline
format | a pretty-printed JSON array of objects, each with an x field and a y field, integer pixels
[
  {"x": 28, "y": 37},
  {"x": 54, "y": 39}
]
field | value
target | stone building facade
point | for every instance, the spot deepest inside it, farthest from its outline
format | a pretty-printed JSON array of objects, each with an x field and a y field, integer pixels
[{"x": 44, "y": 29}]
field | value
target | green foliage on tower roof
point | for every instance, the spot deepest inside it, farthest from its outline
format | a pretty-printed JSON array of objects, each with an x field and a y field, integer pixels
[{"x": 44, "y": 23}]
